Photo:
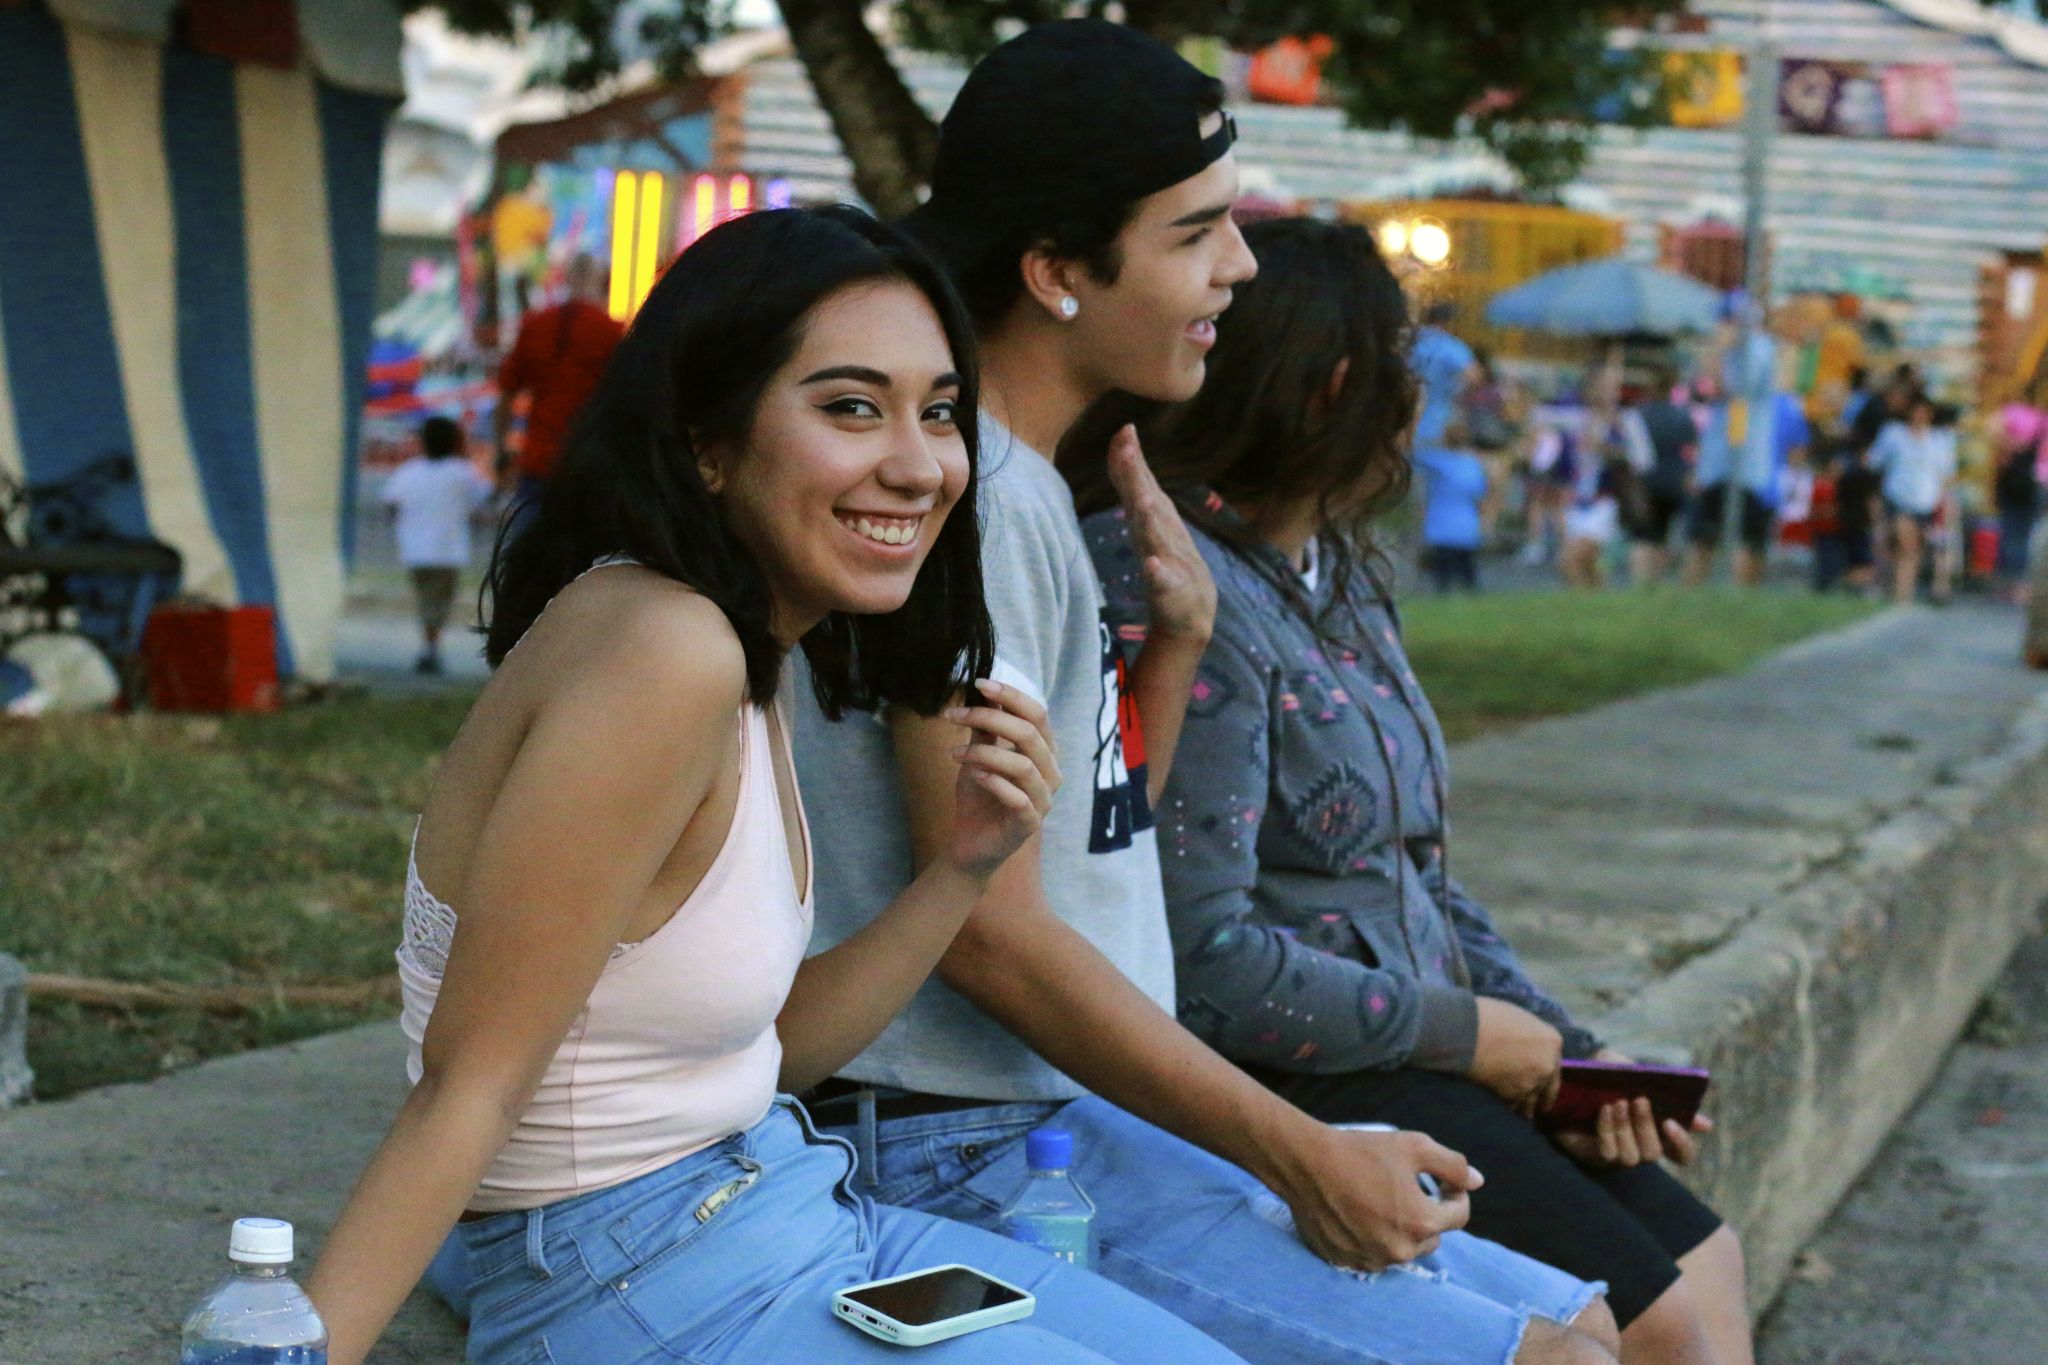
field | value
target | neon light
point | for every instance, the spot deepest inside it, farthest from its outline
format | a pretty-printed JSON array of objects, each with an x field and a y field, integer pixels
[
  {"x": 739, "y": 194},
  {"x": 778, "y": 193},
  {"x": 623, "y": 190},
  {"x": 647, "y": 243},
  {"x": 707, "y": 205}
]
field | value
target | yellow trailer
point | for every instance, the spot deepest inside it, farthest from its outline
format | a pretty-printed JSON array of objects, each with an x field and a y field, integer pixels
[{"x": 1489, "y": 246}]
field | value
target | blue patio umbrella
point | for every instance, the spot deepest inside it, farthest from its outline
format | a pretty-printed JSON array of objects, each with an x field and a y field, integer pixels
[{"x": 1610, "y": 297}]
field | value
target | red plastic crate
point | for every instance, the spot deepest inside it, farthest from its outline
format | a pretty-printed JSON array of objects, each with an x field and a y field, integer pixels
[{"x": 211, "y": 658}]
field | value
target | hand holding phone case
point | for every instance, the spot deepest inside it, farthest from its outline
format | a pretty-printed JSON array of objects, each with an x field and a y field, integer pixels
[{"x": 1674, "y": 1092}]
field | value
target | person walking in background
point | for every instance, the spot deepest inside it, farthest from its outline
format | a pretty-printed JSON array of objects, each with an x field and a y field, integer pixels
[
  {"x": 1881, "y": 408},
  {"x": 1557, "y": 447},
  {"x": 1738, "y": 448},
  {"x": 1601, "y": 480},
  {"x": 1843, "y": 421},
  {"x": 556, "y": 363},
  {"x": 1489, "y": 407},
  {"x": 432, "y": 497},
  {"x": 1857, "y": 501},
  {"x": 2016, "y": 488},
  {"x": 1453, "y": 521},
  {"x": 1448, "y": 375},
  {"x": 1662, "y": 442},
  {"x": 1494, "y": 410},
  {"x": 1824, "y": 526},
  {"x": 1444, "y": 366},
  {"x": 1791, "y": 461},
  {"x": 1916, "y": 459}
]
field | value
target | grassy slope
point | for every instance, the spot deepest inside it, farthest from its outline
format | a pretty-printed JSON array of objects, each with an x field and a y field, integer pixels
[
  {"x": 269, "y": 849},
  {"x": 1498, "y": 659},
  {"x": 163, "y": 848}
]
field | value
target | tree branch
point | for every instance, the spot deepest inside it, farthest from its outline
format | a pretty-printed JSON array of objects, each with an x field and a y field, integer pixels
[
  {"x": 887, "y": 136},
  {"x": 86, "y": 990}
]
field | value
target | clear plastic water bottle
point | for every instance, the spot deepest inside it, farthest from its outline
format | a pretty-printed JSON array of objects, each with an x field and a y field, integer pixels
[
  {"x": 258, "y": 1315},
  {"x": 1051, "y": 1212}
]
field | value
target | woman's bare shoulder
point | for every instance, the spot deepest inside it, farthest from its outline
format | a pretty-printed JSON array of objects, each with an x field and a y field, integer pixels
[{"x": 630, "y": 626}]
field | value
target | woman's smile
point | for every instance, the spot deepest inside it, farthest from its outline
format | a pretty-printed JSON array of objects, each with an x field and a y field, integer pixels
[{"x": 883, "y": 532}]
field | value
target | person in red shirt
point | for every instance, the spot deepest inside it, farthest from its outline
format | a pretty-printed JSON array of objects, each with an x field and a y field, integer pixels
[{"x": 556, "y": 361}]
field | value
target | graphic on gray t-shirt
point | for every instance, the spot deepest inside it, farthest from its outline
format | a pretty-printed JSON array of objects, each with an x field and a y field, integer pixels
[{"x": 1099, "y": 860}]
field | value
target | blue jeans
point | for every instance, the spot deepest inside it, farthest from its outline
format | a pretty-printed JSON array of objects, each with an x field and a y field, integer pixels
[
  {"x": 1214, "y": 1247},
  {"x": 2015, "y": 529},
  {"x": 732, "y": 1254}
]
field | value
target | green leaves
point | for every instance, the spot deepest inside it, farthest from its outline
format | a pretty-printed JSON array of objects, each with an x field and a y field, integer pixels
[{"x": 1530, "y": 80}]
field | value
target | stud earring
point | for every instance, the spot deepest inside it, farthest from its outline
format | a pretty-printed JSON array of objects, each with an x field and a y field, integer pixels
[{"x": 1069, "y": 306}]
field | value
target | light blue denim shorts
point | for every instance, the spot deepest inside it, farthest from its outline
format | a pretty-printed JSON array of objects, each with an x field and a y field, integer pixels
[
  {"x": 1211, "y": 1245},
  {"x": 731, "y": 1255}
]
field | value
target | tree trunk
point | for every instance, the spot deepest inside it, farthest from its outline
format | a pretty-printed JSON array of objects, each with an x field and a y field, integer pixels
[{"x": 885, "y": 134}]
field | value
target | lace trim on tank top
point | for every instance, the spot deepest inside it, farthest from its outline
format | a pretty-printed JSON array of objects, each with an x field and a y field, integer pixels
[{"x": 427, "y": 934}]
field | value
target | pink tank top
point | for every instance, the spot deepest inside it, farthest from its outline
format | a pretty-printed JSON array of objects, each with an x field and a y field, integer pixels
[{"x": 676, "y": 1047}]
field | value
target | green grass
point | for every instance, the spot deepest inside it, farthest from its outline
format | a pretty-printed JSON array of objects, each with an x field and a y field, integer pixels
[
  {"x": 269, "y": 849},
  {"x": 1501, "y": 659},
  {"x": 255, "y": 849}
]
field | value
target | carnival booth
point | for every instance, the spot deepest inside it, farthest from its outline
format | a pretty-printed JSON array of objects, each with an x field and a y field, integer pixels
[{"x": 188, "y": 245}]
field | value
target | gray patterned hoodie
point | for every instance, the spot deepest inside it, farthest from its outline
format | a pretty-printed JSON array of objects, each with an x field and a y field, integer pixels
[{"x": 1302, "y": 836}]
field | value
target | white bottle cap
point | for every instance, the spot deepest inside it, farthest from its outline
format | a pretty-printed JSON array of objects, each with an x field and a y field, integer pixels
[{"x": 261, "y": 1241}]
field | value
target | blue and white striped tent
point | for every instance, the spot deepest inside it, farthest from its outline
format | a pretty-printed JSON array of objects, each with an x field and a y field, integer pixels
[{"x": 188, "y": 255}]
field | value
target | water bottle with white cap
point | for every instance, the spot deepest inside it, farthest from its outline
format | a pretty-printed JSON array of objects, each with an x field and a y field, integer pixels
[{"x": 258, "y": 1315}]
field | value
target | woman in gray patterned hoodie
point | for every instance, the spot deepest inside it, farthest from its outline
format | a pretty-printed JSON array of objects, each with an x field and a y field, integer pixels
[{"x": 1321, "y": 940}]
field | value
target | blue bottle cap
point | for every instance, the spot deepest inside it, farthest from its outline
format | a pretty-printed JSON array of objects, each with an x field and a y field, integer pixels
[{"x": 1049, "y": 1149}]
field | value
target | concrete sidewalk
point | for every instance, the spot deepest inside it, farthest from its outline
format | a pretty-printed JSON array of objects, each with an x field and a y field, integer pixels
[
  {"x": 378, "y": 642},
  {"x": 1669, "y": 864},
  {"x": 1803, "y": 877}
]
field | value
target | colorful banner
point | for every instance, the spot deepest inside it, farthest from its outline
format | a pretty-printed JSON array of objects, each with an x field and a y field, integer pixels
[
  {"x": 1706, "y": 88},
  {"x": 1810, "y": 95},
  {"x": 1919, "y": 100}
]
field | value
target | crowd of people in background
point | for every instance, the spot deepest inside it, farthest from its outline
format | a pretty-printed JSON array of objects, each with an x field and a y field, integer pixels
[{"x": 1820, "y": 458}]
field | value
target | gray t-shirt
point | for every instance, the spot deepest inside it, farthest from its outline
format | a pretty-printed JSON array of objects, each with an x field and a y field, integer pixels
[{"x": 1099, "y": 862}]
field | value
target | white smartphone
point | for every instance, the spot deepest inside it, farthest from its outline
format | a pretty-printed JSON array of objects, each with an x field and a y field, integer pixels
[{"x": 931, "y": 1305}]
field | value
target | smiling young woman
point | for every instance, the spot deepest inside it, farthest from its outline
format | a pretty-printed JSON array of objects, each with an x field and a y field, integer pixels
[{"x": 608, "y": 907}]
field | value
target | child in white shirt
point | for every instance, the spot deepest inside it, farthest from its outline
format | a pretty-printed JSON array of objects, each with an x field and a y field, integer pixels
[{"x": 432, "y": 498}]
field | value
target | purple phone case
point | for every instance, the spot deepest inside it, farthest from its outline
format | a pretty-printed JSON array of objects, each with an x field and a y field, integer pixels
[{"x": 1674, "y": 1092}]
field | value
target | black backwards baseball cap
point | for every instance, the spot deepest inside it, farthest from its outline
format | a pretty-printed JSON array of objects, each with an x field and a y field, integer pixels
[{"x": 1066, "y": 123}]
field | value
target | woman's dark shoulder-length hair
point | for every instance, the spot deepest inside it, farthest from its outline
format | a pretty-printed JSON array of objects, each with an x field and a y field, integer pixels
[
  {"x": 1264, "y": 429},
  {"x": 691, "y": 370}
]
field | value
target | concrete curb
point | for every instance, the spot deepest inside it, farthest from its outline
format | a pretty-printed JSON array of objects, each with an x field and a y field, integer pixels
[
  {"x": 15, "y": 1075},
  {"x": 1828, "y": 1012}
]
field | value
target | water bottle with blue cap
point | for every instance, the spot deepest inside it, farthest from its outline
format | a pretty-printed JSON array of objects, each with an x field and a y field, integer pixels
[{"x": 1051, "y": 1212}]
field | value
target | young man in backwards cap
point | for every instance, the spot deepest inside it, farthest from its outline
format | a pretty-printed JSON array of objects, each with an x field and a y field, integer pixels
[{"x": 1082, "y": 200}]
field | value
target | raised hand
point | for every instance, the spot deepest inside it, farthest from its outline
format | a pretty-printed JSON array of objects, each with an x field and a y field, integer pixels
[
  {"x": 1180, "y": 594},
  {"x": 1008, "y": 774}
]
